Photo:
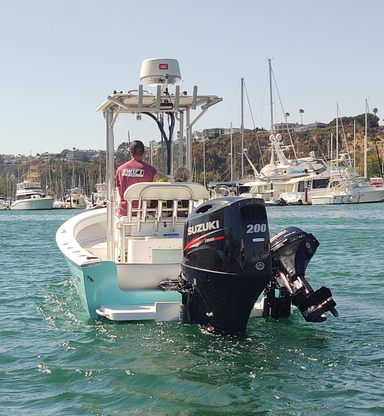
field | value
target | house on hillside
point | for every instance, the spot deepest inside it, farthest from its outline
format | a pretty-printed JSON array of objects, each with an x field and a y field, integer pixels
[
  {"x": 289, "y": 127},
  {"x": 82, "y": 155}
]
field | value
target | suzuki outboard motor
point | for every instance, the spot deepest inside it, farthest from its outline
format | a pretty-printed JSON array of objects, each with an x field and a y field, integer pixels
[
  {"x": 227, "y": 262},
  {"x": 292, "y": 249}
]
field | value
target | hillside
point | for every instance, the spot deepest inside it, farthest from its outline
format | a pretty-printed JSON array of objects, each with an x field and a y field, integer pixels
[
  {"x": 59, "y": 174},
  {"x": 218, "y": 161}
]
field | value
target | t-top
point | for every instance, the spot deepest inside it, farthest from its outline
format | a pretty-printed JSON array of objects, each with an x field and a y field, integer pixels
[{"x": 129, "y": 173}]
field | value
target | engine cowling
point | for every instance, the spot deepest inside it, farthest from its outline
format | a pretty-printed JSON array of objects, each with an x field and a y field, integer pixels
[{"x": 227, "y": 262}]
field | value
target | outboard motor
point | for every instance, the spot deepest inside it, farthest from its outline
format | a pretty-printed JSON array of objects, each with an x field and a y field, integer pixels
[
  {"x": 227, "y": 262},
  {"x": 292, "y": 249}
]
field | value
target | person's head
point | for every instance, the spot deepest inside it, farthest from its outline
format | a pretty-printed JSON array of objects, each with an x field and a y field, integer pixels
[
  {"x": 137, "y": 149},
  {"x": 160, "y": 177},
  {"x": 181, "y": 174}
]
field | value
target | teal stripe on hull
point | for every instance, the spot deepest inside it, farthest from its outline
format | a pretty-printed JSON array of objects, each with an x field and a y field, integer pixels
[{"x": 97, "y": 286}]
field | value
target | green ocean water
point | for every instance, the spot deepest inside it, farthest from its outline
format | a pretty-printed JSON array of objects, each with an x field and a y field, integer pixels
[{"x": 54, "y": 361}]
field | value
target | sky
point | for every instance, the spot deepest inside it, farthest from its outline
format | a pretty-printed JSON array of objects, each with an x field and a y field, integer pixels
[{"x": 61, "y": 59}]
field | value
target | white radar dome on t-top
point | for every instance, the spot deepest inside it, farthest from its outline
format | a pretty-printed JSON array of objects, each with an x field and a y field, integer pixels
[{"x": 158, "y": 71}]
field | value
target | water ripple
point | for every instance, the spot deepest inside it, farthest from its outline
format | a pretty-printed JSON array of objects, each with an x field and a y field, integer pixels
[{"x": 64, "y": 363}]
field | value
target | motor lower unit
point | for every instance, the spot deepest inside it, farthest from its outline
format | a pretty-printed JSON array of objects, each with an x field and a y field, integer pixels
[{"x": 292, "y": 249}]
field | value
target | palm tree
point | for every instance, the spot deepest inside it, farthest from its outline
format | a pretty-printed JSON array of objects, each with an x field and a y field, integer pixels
[{"x": 301, "y": 111}]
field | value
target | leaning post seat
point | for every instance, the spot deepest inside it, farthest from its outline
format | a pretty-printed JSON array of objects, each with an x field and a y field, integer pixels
[{"x": 143, "y": 221}]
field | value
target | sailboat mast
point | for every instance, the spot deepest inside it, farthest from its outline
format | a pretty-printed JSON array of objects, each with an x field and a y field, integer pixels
[
  {"x": 337, "y": 132},
  {"x": 365, "y": 140},
  {"x": 61, "y": 181},
  {"x": 231, "y": 135},
  {"x": 242, "y": 128},
  {"x": 354, "y": 145},
  {"x": 270, "y": 93},
  {"x": 382, "y": 162},
  {"x": 50, "y": 176},
  {"x": 73, "y": 176},
  {"x": 271, "y": 108}
]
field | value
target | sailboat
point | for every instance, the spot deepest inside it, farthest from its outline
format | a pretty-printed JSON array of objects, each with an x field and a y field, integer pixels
[
  {"x": 75, "y": 196},
  {"x": 99, "y": 198}
]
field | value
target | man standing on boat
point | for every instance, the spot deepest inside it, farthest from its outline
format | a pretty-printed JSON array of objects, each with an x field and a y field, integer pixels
[{"x": 133, "y": 171}]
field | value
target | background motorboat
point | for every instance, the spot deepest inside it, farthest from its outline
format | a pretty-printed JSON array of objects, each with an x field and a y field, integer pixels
[{"x": 30, "y": 196}]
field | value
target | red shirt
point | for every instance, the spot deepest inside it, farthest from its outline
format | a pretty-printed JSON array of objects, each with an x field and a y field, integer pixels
[{"x": 129, "y": 173}]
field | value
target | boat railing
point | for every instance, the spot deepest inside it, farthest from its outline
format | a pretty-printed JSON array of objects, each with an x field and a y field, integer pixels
[
  {"x": 143, "y": 192},
  {"x": 150, "y": 204}
]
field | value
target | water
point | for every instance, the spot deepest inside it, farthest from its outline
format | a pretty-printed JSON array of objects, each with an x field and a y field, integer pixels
[{"x": 54, "y": 361}]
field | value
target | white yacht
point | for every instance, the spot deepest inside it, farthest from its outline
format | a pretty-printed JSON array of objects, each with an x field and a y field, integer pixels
[
  {"x": 346, "y": 186},
  {"x": 352, "y": 190},
  {"x": 295, "y": 181},
  {"x": 30, "y": 196},
  {"x": 297, "y": 178}
]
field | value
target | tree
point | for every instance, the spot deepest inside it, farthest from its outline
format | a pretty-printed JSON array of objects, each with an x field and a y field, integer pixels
[
  {"x": 123, "y": 153},
  {"x": 373, "y": 166},
  {"x": 301, "y": 111},
  {"x": 373, "y": 121}
]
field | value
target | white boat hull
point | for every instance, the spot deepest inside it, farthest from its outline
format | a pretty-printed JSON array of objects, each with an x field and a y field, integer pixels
[
  {"x": 32, "y": 204},
  {"x": 373, "y": 195},
  {"x": 114, "y": 290}
]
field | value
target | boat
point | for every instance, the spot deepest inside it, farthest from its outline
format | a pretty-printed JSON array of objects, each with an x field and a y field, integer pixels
[
  {"x": 3, "y": 203},
  {"x": 29, "y": 193},
  {"x": 377, "y": 181},
  {"x": 295, "y": 181},
  {"x": 220, "y": 191},
  {"x": 75, "y": 199},
  {"x": 352, "y": 190},
  {"x": 346, "y": 186},
  {"x": 30, "y": 196},
  {"x": 98, "y": 198},
  {"x": 297, "y": 178},
  {"x": 207, "y": 261}
]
